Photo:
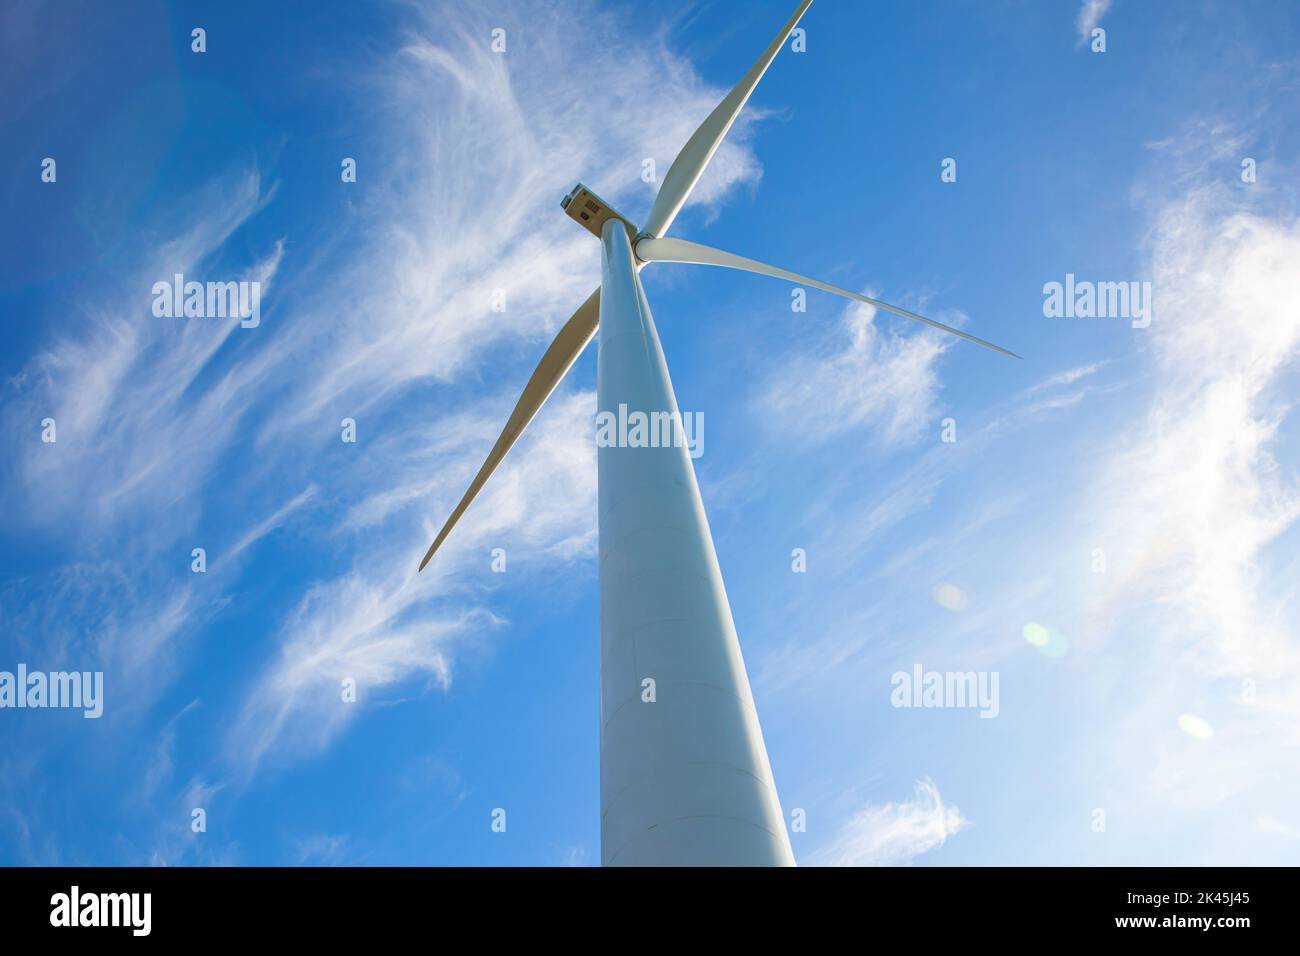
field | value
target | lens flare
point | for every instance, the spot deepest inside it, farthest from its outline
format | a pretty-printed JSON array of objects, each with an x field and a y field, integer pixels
[
  {"x": 1051, "y": 642},
  {"x": 1194, "y": 726},
  {"x": 950, "y": 596},
  {"x": 1036, "y": 634}
]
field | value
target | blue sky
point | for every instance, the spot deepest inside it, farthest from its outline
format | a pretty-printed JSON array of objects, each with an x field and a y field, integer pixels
[{"x": 1159, "y": 686}]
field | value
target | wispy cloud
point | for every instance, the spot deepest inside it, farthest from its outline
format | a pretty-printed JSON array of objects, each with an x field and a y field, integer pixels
[
  {"x": 1195, "y": 493},
  {"x": 893, "y": 834},
  {"x": 137, "y": 431},
  {"x": 381, "y": 622},
  {"x": 322, "y": 849},
  {"x": 1090, "y": 14},
  {"x": 270, "y": 522},
  {"x": 1067, "y": 377},
  {"x": 857, "y": 378}
]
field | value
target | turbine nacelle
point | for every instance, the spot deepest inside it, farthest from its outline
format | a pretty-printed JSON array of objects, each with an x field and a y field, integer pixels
[{"x": 591, "y": 212}]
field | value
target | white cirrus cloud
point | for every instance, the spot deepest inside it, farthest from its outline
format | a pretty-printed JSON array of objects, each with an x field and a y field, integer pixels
[
  {"x": 893, "y": 834},
  {"x": 381, "y": 622},
  {"x": 1090, "y": 14},
  {"x": 858, "y": 377},
  {"x": 1195, "y": 492}
]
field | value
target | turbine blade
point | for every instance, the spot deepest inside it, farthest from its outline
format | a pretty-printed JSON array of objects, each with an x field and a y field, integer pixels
[
  {"x": 689, "y": 165},
  {"x": 680, "y": 250},
  {"x": 559, "y": 358}
]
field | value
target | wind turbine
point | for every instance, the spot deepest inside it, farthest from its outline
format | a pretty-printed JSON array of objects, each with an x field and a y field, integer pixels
[{"x": 684, "y": 774}]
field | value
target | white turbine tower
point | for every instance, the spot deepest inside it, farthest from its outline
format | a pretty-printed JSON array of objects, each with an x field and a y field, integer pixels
[{"x": 684, "y": 777}]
